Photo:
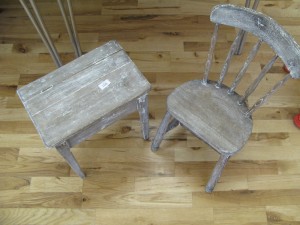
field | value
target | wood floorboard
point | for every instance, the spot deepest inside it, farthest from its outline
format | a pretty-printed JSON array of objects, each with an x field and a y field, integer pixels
[{"x": 126, "y": 183}]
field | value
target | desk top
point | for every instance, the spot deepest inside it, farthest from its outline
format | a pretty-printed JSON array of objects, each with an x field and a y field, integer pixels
[{"x": 74, "y": 96}]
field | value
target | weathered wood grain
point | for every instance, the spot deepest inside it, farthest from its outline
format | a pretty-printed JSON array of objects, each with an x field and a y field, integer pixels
[
  {"x": 25, "y": 199},
  {"x": 212, "y": 111},
  {"x": 240, "y": 215},
  {"x": 266, "y": 29},
  {"x": 155, "y": 216},
  {"x": 56, "y": 184},
  {"x": 285, "y": 215},
  {"x": 246, "y": 198},
  {"x": 169, "y": 45},
  {"x": 135, "y": 200},
  {"x": 85, "y": 96},
  {"x": 20, "y": 216},
  {"x": 52, "y": 100}
]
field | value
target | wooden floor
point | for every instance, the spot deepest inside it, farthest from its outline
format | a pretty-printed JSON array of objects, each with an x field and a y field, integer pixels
[{"x": 126, "y": 183}]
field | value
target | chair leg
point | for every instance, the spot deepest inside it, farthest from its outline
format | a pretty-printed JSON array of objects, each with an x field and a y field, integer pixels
[
  {"x": 173, "y": 123},
  {"x": 217, "y": 173},
  {"x": 163, "y": 128},
  {"x": 66, "y": 153},
  {"x": 142, "y": 106}
]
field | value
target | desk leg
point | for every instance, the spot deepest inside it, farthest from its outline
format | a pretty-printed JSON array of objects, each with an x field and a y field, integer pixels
[
  {"x": 66, "y": 153},
  {"x": 142, "y": 106}
]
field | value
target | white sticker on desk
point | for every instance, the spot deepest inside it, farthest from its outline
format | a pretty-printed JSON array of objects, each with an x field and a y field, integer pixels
[{"x": 104, "y": 84}]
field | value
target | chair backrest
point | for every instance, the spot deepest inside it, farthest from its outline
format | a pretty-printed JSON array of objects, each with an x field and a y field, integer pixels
[{"x": 268, "y": 31}]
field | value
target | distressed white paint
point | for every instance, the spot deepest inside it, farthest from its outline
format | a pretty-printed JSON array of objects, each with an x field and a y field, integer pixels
[
  {"x": 263, "y": 27},
  {"x": 84, "y": 96},
  {"x": 214, "y": 112}
]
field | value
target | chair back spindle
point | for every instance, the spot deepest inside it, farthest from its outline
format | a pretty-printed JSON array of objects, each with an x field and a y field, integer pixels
[
  {"x": 265, "y": 28},
  {"x": 256, "y": 82},
  {"x": 243, "y": 70},
  {"x": 228, "y": 59},
  {"x": 267, "y": 31},
  {"x": 210, "y": 53},
  {"x": 267, "y": 95}
]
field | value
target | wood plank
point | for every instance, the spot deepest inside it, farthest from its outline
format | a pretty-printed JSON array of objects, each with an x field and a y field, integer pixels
[
  {"x": 289, "y": 167},
  {"x": 13, "y": 183},
  {"x": 240, "y": 215},
  {"x": 21, "y": 127},
  {"x": 274, "y": 182},
  {"x": 9, "y": 79},
  {"x": 8, "y": 155},
  {"x": 283, "y": 215},
  {"x": 258, "y": 139},
  {"x": 187, "y": 184},
  {"x": 56, "y": 184},
  {"x": 154, "y": 216},
  {"x": 233, "y": 168},
  {"x": 107, "y": 183},
  {"x": 129, "y": 169},
  {"x": 6, "y": 48},
  {"x": 13, "y": 115},
  {"x": 119, "y": 155},
  {"x": 246, "y": 198},
  {"x": 258, "y": 153},
  {"x": 124, "y": 199},
  {"x": 37, "y": 216},
  {"x": 20, "y": 140},
  {"x": 24, "y": 199},
  {"x": 39, "y": 155},
  {"x": 35, "y": 169}
]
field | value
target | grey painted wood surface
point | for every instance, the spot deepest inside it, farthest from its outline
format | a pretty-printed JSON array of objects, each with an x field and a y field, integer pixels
[
  {"x": 65, "y": 151},
  {"x": 211, "y": 114},
  {"x": 73, "y": 97},
  {"x": 85, "y": 96},
  {"x": 214, "y": 112},
  {"x": 263, "y": 27}
]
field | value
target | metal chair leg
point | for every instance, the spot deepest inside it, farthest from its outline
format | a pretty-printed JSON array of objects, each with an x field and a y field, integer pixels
[
  {"x": 39, "y": 25},
  {"x": 41, "y": 29},
  {"x": 70, "y": 25}
]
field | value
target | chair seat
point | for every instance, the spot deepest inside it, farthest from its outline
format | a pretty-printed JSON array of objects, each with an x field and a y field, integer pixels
[
  {"x": 211, "y": 114},
  {"x": 86, "y": 90}
]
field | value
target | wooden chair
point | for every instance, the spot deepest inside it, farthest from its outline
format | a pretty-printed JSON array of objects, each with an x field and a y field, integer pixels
[
  {"x": 84, "y": 96},
  {"x": 213, "y": 111}
]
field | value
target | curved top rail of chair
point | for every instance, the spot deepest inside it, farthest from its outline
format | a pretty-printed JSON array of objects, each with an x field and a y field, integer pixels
[{"x": 264, "y": 28}]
